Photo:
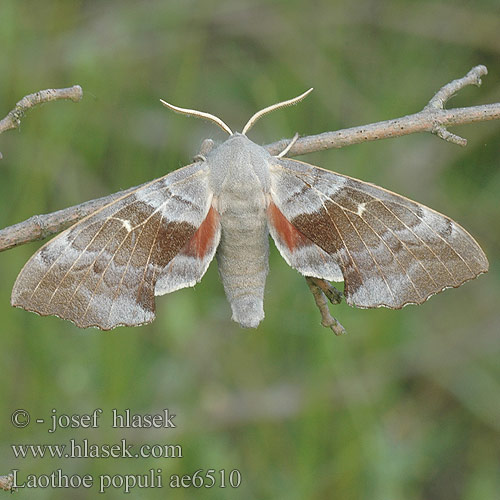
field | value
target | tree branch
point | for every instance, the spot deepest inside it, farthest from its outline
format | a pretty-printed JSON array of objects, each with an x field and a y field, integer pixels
[
  {"x": 13, "y": 119},
  {"x": 433, "y": 118}
]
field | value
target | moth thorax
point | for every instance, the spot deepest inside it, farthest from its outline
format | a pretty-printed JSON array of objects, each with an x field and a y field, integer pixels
[{"x": 239, "y": 165}]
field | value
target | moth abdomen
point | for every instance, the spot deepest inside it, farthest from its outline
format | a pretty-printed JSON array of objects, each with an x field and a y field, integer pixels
[{"x": 242, "y": 258}]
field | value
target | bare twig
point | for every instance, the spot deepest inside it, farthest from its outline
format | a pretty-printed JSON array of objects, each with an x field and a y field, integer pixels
[
  {"x": 445, "y": 93},
  {"x": 13, "y": 119},
  {"x": 432, "y": 118},
  {"x": 424, "y": 121},
  {"x": 7, "y": 483},
  {"x": 40, "y": 227},
  {"x": 473, "y": 77}
]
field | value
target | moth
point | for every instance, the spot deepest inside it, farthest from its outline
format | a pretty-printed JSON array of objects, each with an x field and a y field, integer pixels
[{"x": 106, "y": 270}]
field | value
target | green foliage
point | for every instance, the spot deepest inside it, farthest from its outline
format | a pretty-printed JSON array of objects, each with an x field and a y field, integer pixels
[{"x": 405, "y": 406}]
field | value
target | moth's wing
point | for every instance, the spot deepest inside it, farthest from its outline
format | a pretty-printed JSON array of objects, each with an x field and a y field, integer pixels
[
  {"x": 103, "y": 270},
  {"x": 390, "y": 250},
  {"x": 190, "y": 264}
]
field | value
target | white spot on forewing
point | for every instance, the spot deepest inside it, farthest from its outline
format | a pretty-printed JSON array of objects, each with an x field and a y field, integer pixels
[
  {"x": 126, "y": 223},
  {"x": 361, "y": 209}
]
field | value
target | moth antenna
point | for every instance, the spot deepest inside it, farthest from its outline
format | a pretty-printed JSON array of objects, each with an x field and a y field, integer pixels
[
  {"x": 289, "y": 146},
  {"x": 267, "y": 110},
  {"x": 198, "y": 114}
]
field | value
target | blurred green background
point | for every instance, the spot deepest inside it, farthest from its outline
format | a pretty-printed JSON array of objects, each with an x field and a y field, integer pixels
[{"x": 407, "y": 406}]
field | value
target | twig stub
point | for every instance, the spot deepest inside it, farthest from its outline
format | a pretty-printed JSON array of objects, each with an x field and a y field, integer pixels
[
  {"x": 445, "y": 93},
  {"x": 13, "y": 118}
]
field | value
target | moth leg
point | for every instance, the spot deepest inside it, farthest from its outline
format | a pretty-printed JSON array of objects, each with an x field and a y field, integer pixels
[
  {"x": 206, "y": 146},
  {"x": 321, "y": 291},
  {"x": 332, "y": 294}
]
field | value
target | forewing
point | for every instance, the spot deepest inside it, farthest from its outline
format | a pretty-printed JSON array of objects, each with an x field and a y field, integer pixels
[
  {"x": 391, "y": 251},
  {"x": 102, "y": 271}
]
